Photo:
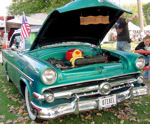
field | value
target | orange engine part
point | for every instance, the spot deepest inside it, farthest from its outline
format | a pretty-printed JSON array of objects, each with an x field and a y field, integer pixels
[{"x": 73, "y": 54}]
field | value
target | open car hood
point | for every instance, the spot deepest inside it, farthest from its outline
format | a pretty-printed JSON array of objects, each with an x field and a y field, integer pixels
[{"x": 80, "y": 20}]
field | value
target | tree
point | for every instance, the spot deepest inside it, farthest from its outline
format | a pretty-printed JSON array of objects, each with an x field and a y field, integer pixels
[
  {"x": 34, "y": 6},
  {"x": 146, "y": 10},
  {"x": 133, "y": 8}
]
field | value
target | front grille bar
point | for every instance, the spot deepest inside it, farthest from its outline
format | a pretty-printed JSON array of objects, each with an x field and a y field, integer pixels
[{"x": 93, "y": 90}]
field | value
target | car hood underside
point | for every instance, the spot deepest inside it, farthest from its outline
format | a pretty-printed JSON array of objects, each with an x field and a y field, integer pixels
[{"x": 79, "y": 21}]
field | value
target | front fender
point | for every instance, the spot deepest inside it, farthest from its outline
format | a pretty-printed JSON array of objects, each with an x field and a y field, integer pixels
[
  {"x": 128, "y": 59},
  {"x": 34, "y": 69}
]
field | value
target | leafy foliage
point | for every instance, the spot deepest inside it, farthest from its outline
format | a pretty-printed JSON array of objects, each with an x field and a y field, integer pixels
[
  {"x": 146, "y": 13},
  {"x": 134, "y": 9},
  {"x": 45, "y": 6},
  {"x": 34, "y": 6},
  {"x": 146, "y": 10}
]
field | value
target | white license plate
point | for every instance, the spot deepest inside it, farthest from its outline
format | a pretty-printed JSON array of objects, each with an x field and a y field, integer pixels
[{"x": 107, "y": 101}]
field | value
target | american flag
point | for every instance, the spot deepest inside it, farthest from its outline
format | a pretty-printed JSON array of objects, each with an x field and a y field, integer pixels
[{"x": 25, "y": 30}]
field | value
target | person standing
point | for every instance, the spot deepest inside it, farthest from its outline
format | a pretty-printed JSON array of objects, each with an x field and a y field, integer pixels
[
  {"x": 123, "y": 38},
  {"x": 144, "y": 46}
]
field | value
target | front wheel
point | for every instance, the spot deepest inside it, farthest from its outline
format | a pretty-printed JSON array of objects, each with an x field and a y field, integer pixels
[
  {"x": 8, "y": 78},
  {"x": 6, "y": 72},
  {"x": 28, "y": 104},
  {"x": 29, "y": 107}
]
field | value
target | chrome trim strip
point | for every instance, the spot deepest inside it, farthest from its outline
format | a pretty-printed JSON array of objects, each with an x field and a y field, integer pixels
[
  {"x": 19, "y": 70},
  {"x": 88, "y": 81},
  {"x": 69, "y": 93},
  {"x": 122, "y": 82}
]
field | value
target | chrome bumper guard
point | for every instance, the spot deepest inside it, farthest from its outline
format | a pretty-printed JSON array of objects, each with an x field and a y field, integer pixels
[
  {"x": 76, "y": 106},
  {"x": 140, "y": 91}
]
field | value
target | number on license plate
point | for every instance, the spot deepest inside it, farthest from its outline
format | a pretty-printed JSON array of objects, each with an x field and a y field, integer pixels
[{"x": 106, "y": 102}]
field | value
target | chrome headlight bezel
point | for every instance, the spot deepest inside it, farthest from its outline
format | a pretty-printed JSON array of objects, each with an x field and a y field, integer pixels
[
  {"x": 140, "y": 79},
  {"x": 140, "y": 62},
  {"x": 105, "y": 88},
  {"x": 49, "y": 97},
  {"x": 49, "y": 76}
]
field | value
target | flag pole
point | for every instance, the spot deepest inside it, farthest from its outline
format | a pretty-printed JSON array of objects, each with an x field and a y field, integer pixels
[{"x": 5, "y": 37}]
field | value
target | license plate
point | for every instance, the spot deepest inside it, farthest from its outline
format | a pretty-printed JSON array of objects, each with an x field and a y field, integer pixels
[{"x": 107, "y": 101}]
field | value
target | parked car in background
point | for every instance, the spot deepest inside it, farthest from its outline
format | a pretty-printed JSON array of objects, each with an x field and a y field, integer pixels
[{"x": 64, "y": 70}]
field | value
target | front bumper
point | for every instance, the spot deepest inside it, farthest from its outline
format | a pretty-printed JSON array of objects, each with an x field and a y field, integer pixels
[{"x": 76, "y": 106}]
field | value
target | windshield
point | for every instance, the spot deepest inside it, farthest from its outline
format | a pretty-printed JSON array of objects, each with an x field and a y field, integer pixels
[
  {"x": 29, "y": 40},
  {"x": 15, "y": 42}
]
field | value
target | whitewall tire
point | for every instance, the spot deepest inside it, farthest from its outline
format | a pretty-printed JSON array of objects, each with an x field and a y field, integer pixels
[{"x": 28, "y": 104}]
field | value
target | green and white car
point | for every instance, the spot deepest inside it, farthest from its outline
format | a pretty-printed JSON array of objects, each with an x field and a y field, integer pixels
[{"x": 64, "y": 69}]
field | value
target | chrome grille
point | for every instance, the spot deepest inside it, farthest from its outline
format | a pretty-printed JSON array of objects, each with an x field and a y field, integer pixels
[{"x": 91, "y": 88}]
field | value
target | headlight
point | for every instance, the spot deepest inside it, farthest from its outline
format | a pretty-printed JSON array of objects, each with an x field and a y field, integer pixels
[
  {"x": 49, "y": 76},
  {"x": 140, "y": 62}
]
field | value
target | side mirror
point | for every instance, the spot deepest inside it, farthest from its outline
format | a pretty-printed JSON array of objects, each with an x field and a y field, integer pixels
[{"x": 13, "y": 47}]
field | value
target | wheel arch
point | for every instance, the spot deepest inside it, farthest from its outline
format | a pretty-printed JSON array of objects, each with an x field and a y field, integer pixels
[
  {"x": 23, "y": 84},
  {"x": 5, "y": 67}
]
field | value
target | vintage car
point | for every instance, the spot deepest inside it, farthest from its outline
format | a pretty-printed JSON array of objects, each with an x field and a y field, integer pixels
[{"x": 63, "y": 68}]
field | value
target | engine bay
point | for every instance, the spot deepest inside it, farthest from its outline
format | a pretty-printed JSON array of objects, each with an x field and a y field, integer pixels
[{"x": 75, "y": 58}]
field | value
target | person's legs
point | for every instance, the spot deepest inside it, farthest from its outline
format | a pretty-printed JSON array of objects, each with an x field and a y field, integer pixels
[
  {"x": 146, "y": 74},
  {"x": 123, "y": 46},
  {"x": 126, "y": 46},
  {"x": 146, "y": 71},
  {"x": 119, "y": 45}
]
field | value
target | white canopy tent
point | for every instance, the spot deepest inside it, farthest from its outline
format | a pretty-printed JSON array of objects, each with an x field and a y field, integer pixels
[
  {"x": 147, "y": 28},
  {"x": 133, "y": 27},
  {"x": 17, "y": 21},
  {"x": 33, "y": 20}
]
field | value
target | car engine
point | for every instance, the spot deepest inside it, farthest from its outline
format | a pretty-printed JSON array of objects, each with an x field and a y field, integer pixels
[{"x": 74, "y": 58}]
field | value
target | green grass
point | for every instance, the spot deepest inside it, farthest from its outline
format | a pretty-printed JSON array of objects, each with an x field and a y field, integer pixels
[
  {"x": 132, "y": 111},
  {"x": 4, "y": 101},
  {"x": 112, "y": 45}
]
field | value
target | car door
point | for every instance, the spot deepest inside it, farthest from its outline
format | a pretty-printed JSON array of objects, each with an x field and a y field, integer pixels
[
  {"x": 15, "y": 65},
  {"x": 14, "y": 57}
]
